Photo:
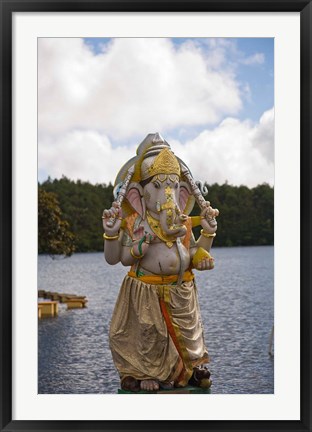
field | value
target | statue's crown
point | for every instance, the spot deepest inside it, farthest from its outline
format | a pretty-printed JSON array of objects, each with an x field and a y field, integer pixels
[{"x": 164, "y": 163}]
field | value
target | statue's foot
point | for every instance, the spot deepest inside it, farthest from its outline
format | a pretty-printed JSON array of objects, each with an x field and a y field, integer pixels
[
  {"x": 166, "y": 385},
  {"x": 200, "y": 377},
  {"x": 149, "y": 385},
  {"x": 130, "y": 384}
]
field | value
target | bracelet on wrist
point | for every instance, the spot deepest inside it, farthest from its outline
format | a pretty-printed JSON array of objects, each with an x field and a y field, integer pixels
[
  {"x": 106, "y": 237},
  {"x": 207, "y": 235},
  {"x": 134, "y": 255}
]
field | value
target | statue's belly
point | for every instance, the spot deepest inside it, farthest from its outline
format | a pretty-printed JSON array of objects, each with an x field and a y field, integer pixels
[{"x": 162, "y": 260}]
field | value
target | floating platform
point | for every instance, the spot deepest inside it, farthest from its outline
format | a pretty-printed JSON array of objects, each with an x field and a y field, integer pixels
[
  {"x": 47, "y": 309},
  {"x": 50, "y": 308},
  {"x": 182, "y": 390},
  {"x": 74, "y": 303}
]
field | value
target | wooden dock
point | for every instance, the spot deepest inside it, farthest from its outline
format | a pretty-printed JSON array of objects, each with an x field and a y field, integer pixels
[{"x": 49, "y": 307}]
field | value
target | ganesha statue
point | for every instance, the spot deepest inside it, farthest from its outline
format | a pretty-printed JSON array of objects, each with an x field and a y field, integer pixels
[{"x": 156, "y": 333}]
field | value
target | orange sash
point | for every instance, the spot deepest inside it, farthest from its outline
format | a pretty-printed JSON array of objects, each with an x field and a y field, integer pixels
[{"x": 162, "y": 279}]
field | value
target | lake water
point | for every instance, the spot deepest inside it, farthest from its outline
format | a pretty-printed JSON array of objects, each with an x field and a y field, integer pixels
[{"x": 237, "y": 305}]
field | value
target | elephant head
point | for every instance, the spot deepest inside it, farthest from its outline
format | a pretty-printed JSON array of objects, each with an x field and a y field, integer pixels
[{"x": 160, "y": 193}]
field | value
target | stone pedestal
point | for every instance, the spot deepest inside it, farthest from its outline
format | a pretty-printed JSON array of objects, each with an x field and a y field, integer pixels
[{"x": 184, "y": 390}]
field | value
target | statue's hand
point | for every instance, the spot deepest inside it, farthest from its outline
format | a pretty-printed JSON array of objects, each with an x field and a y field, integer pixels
[
  {"x": 141, "y": 241},
  {"x": 208, "y": 219},
  {"x": 202, "y": 260},
  {"x": 205, "y": 264},
  {"x": 112, "y": 220},
  {"x": 182, "y": 218}
]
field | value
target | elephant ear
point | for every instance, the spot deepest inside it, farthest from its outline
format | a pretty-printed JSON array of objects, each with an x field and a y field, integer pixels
[
  {"x": 135, "y": 198},
  {"x": 186, "y": 199}
]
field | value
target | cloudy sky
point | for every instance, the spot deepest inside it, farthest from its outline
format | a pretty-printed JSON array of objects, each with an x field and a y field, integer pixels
[{"x": 211, "y": 99}]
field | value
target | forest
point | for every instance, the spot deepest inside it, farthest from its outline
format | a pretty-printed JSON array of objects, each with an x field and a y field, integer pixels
[{"x": 69, "y": 215}]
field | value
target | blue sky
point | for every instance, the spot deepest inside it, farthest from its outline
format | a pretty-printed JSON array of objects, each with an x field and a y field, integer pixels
[
  {"x": 99, "y": 97},
  {"x": 260, "y": 79}
]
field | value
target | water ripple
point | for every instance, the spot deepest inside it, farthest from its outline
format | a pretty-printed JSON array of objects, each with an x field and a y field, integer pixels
[{"x": 236, "y": 302}]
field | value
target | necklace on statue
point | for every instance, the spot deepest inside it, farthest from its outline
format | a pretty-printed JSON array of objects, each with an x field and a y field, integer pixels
[{"x": 156, "y": 228}]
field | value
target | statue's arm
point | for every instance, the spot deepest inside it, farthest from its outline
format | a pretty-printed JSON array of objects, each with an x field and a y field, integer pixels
[
  {"x": 204, "y": 242},
  {"x": 112, "y": 234},
  {"x": 126, "y": 258},
  {"x": 119, "y": 250},
  {"x": 112, "y": 248},
  {"x": 199, "y": 252}
]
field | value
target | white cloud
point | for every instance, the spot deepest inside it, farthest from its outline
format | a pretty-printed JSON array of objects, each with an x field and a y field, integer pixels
[
  {"x": 223, "y": 52},
  {"x": 254, "y": 59},
  {"x": 237, "y": 151},
  {"x": 264, "y": 135},
  {"x": 136, "y": 84},
  {"x": 86, "y": 155}
]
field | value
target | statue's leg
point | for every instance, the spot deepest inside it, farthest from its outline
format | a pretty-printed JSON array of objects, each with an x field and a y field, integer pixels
[
  {"x": 149, "y": 385},
  {"x": 139, "y": 342},
  {"x": 153, "y": 385},
  {"x": 129, "y": 383},
  {"x": 180, "y": 309},
  {"x": 168, "y": 385}
]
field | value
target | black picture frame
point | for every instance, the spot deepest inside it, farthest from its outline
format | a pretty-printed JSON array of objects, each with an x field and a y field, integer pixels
[{"x": 8, "y": 7}]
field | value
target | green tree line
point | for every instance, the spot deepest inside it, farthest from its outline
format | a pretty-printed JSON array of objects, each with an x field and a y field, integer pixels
[{"x": 70, "y": 215}]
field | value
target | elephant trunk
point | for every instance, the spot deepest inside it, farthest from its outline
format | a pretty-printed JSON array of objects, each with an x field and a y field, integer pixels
[
  {"x": 169, "y": 216},
  {"x": 169, "y": 228}
]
